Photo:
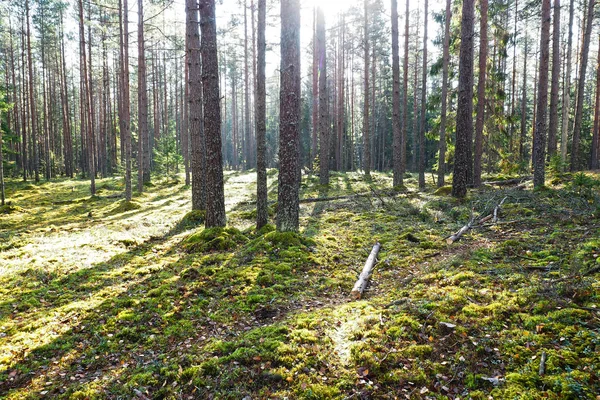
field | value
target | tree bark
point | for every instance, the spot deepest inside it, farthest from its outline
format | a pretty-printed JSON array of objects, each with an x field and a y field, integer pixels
[
  {"x": 404, "y": 127},
  {"x": 446, "y": 61},
  {"x": 248, "y": 155},
  {"x": 315, "y": 91},
  {"x": 366, "y": 136},
  {"x": 585, "y": 48},
  {"x": 483, "y": 52},
  {"x": 595, "y": 133},
  {"x": 86, "y": 104},
  {"x": 323, "y": 101},
  {"x": 539, "y": 135},
  {"x": 524, "y": 103},
  {"x": 553, "y": 124},
  {"x": 289, "y": 115},
  {"x": 197, "y": 133},
  {"x": 567, "y": 89},
  {"x": 32, "y": 108},
  {"x": 398, "y": 180},
  {"x": 464, "y": 111},
  {"x": 262, "y": 214},
  {"x": 125, "y": 120},
  {"x": 142, "y": 101},
  {"x": 423, "y": 102},
  {"x": 215, "y": 196}
]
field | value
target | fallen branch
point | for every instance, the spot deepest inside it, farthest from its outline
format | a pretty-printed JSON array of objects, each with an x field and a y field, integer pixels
[
  {"x": 495, "y": 219},
  {"x": 453, "y": 238},
  {"x": 363, "y": 279},
  {"x": 542, "y": 369},
  {"x": 508, "y": 182}
]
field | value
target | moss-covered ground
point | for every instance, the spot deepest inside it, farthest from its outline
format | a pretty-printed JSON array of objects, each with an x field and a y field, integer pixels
[{"x": 106, "y": 299}]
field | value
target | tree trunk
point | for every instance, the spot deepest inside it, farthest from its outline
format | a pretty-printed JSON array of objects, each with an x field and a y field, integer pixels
[
  {"x": 262, "y": 214},
  {"x": 464, "y": 111},
  {"x": 215, "y": 197},
  {"x": 366, "y": 136},
  {"x": 483, "y": 52},
  {"x": 323, "y": 101},
  {"x": 423, "y": 102},
  {"x": 585, "y": 49},
  {"x": 289, "y": 115},
  {"x": 125, "y": 120},
  {"x": 185, "y": 131},
  {"x": 396, "y": 125},
  {"x": 2, "y": 198},
  {"x": 524, "y": 103},
  {"x": 595, "y": 133},
  {"x": 539, "y": 135},
  {"x": 143, "y": 135},
  {"x": 248, "y": 155},
  {"x": 197, "y": 133},
  {"x": 567, "y": 89},
  {"x": 446, "y": 61},
  {"x": 32, "y": 108},
  {"x": 553, "y": 125},
  {"x": 315, "y": 91},
  {"x": 86, "y": 104},
  {"x": 340, "y": 103},
  {"x": 404, "y": 127}
]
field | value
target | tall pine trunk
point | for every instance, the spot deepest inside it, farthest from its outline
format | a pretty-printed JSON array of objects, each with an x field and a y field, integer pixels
[
  {"x": 423, "y": 102},
  {"x": 142, "y": 101},
  {"x": 567, "y": 89},
  {"x": 197, "y": 136},
  {"x": 366, "y": 136},
  {"x": 396, "y": 124},
  {"x": 323, "y": 101},
  {"x": 464, "y": 111},
  {"x": 596, "y": 131},
  {"x": 585, "y": 49},
  {"x": 262, "y": 214},
  {"x": 289, "y": 118},
  {"x": 483, "y": 52},
  {"x": 215, "y": 196},
  {"x": 553, "y": 125},
  {"x": 445, "y": 61},
  {"x": 540, "y": 131}
]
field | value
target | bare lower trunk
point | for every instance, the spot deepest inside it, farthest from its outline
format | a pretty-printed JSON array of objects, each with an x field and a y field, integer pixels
[
  {"x": 483, "y": 51},
  {"x": 446, "y": 61},
  {"x": 262, "y": 214}
]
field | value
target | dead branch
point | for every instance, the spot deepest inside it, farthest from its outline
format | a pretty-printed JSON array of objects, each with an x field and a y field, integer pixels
[{"x": 363, "y": 279}]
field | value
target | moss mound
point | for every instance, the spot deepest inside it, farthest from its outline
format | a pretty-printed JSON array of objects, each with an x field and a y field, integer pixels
[
  {"x": 125, "y": 206},
  {"x": 214, "y": 239},
  {"x": 443, "y": 191},
  {"x": 9, "y": 209},
  {"x": 287, "y": 239}
]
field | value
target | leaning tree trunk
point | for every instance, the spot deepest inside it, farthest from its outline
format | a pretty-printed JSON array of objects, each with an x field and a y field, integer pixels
[
  {"x": 581, "y": 86},
  {"x": 464, "y": 111},
  {"x": 323, "y": 101},
  {"x": 446, "y": 61},
  {"x": 289, "y": 118},
  {"x": 483, "y": 51},
  {"x": 215, "y": 196},
  {"x": 539, "y": 134},
  {"x": 262, "y": 214}
]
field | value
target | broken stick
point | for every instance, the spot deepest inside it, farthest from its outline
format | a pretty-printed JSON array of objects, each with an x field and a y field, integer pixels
[
  {"x": 363, "y": 279},
  {"x": 462, "y": 230}
]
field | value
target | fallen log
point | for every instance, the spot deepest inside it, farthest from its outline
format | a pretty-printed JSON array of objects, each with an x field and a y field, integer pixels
[
  {"x": 509, "y": 182},
  {"x": 363, "y": 279}
]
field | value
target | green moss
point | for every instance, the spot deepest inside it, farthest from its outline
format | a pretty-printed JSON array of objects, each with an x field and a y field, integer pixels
[
  {"x": 10, "y": 209},
  {"x": 125, "y": 206},
  {"x": 443, "y": 191},
  {"x": 213, "y": 239}
]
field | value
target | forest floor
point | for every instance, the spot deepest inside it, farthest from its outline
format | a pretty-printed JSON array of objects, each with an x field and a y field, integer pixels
[{"x": 104, "y": 299}]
